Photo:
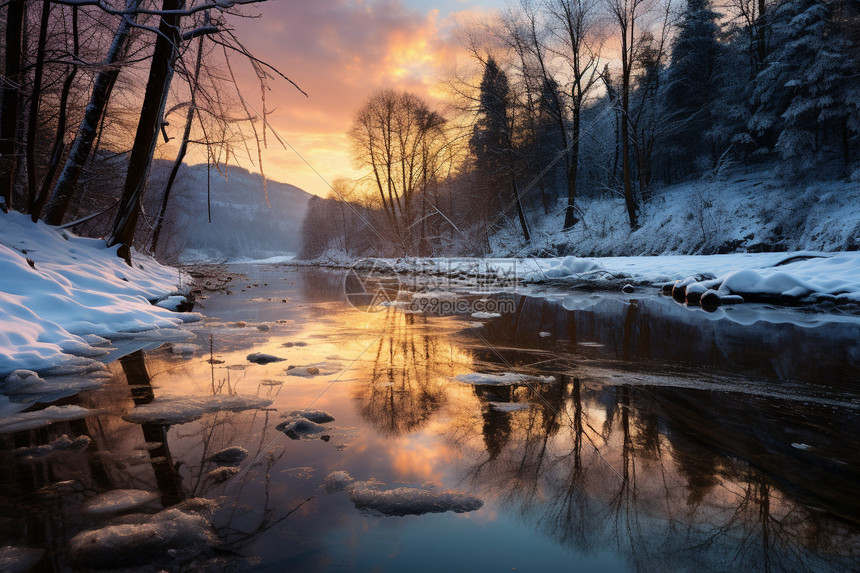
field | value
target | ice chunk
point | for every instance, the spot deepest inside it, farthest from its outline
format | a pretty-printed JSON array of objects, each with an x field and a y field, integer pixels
[
  {"x": 297, "y": 428},
  {"x": 42, "y": 418},
  {"x": 544, "y": 334},
  {"x": 337, "y": 481},
  {"x": 486, "y": 315},
  {"x": 262, "y": 358},
  {"x": 509, "y": 406},
  {"x": 156, "y": 541},
  {"x": 317, "y": 369},
  {"x": 229, "y": 456},
  {"x": 182, "y": 409},
  {"x": 409, "y": 500},
  {"x": 63, "y": 443},
  {"x": 172, "y": 302},
  {"x": 222, "y": 474},
  {"x": 19, "y": 380},
  {"x": 184, "y": 348},
  {"x": 118, "y": 500},
  {"x": 18, "y": 559},
  {"x": 316, "y": 416},
  {"x": 504, "y": 379}
]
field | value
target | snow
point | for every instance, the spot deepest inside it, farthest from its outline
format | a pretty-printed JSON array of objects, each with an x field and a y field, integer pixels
[
  {"x": 509, "y": 406},
  {"x": 154, "y": 540},
  {"x": 299, "y": 427},
  {"x": 18, "y": 559},
  {"x": 118, "y": 500},
  {"x": 61, "y": 444},
  {"x": 504, "y": 379},
  {"x": 231, "y": 455},
  {"x": 42, "y": 418},
  {"x": 317, "y": 369},
  {"x": 316, "y": 416},
  {"x": 485, "y": 314},
  {"x": 171, "y": 410},
  {"x": 262, "y": 358},
  {"x": 222, "y": 474},
  {"x": 58, "y": 290},
  {"x": 368, "y": 496}
]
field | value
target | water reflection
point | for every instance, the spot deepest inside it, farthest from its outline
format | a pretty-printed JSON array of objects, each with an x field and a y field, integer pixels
[{"x": 667, "y": 441}]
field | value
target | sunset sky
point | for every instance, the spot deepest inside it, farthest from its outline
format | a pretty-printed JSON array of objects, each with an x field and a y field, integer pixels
[{"x": 339, "y": 52}]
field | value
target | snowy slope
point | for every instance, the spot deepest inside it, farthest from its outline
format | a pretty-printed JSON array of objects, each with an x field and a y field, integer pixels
[
  {"x": 744, "y": 210},
  {"x": 61, "y": 296},
  {"x": 243, "y": 224}
]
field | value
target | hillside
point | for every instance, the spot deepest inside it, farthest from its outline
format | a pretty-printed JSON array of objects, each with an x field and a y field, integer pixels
[{"x": 243, "y": 225}]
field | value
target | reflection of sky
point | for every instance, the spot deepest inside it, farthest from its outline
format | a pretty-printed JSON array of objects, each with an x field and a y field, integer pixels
[{"x": 590, "y": 476}]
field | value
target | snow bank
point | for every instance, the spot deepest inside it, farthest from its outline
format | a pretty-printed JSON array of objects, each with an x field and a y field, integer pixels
[
  {"x": 56, "y": 289},
  {"x": 504, "y": 379},
  {"x": 171, "y": 410},
  {"x": 369, "y": 496},
  {"x": 18, "y": 559}
]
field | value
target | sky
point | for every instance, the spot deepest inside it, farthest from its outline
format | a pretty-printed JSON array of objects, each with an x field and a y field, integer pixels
[{"x": 339, "y": 52}]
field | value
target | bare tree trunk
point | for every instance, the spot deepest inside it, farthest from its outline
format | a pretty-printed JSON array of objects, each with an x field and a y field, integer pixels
[
  {"x": 572, "y": 173},
  {"x": 520, "y": 213},
  {"x": 157, "y": 87},
  {"x": 626, "y": 65},
  {"x": 183, "y": 148},
  {"x": 33, "y": 120},
  {"x": 10, "y": 97},
  {"x": 57, "y": 150},
  {"x": 83, "y": 144}
]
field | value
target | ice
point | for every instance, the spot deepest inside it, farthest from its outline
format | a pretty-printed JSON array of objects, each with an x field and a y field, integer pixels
[
  {"x": 544, "y": 334},
  {"x": 509, "y": 406},
  {"x": 486, "y": 315},
  {"x": 369, "y": 496},
  {"x": 504, "y": 379},
  {"x": 317, "y": 369},
  {"x": 118, "y": 500},
  {"x": 61, "y": 444},
  {"x": 172, "y": 302},
  {"x": 155, "y": 541},
  {"x": 337, "y": 481},
  {"x": 20, "y": 379},
  {"x": 229, "y": 456},
  {"x": 18, "y": 559},
  {"x": 316, "y": 416},
  {"x": 42, "y": 418},
  {"x": 222, "y": 474},
  {"x": 262, "y": 358},
  {"x": 297, "y": 428},
  {"x": 184, "y": 348},
  {"x": 26, "y": 383},
  {"x": 182, "y": 409}
]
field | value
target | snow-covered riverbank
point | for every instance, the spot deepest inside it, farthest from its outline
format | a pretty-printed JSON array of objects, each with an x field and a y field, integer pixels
[{"x": 63, "y": 297}]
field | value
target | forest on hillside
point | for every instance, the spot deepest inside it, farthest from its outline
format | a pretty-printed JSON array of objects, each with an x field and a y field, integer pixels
[{"x": 564, "y": 101}]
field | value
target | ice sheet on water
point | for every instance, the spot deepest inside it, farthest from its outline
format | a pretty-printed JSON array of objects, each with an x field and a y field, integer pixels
[
  {"x": 222, "y": 474},
  {"x": 231, "y": 455},
  {"x": 155, "y": 541},
  {"x": 486, "y": 315},
  {"x": 61, "y": 444},
  {"x": 263, "y": 358},
  {"x": 316, "y": 416},
  {"x": 118, "y": 500},
  {"x": 30, "y": 384},
  {"x": 298, "y": 428},
  {"x": 18, "y": 559},
  {"x": 182, "y": 409},
  {"x": 503, "y": 379},
  {"x": 371, "y": 496},
  {"x": 509, "y": 406},
  {"x": 42, "y": 418},
  {"x": 317, "y": 369}
]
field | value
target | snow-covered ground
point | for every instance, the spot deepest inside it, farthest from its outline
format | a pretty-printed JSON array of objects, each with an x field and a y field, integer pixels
[{"x": 63, "y": 299}]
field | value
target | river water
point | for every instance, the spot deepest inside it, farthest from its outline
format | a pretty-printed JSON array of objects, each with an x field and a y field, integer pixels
[{"x": 669, "y": 439}]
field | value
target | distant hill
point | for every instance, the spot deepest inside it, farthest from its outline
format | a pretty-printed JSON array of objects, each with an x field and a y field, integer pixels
[{"x": 243, "y": 225}]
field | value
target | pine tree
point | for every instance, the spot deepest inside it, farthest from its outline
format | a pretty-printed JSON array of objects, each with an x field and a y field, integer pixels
[{"x": 692, "y": 85}]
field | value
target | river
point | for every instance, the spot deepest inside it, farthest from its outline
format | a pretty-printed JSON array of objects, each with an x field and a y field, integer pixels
[{"x": 641, "y": 436}]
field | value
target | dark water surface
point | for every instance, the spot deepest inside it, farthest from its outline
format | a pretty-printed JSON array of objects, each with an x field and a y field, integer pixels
[{"x": 670, "y": 440}]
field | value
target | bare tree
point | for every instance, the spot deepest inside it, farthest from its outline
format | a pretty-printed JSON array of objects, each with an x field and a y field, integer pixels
[{"x": 10, "y": 97}]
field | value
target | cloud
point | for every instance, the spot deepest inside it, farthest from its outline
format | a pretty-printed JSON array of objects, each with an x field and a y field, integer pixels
[{"x": 339, "y": 52}]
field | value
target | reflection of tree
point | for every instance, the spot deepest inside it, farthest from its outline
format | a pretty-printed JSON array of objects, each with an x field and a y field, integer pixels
[{"x": 403, "y": 388}]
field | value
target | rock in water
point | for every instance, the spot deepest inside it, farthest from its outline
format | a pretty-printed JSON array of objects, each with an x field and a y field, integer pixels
[{"x": 229, "y": 456}]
